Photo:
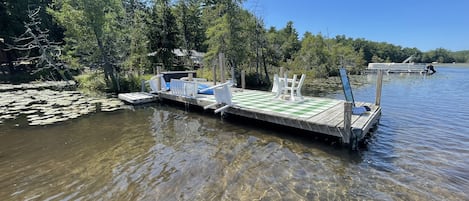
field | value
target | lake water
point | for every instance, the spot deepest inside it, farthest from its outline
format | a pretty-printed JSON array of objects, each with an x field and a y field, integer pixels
[{"x": 419, "y": 152}]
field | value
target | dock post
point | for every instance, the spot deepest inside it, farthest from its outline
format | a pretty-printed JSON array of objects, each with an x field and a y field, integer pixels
[
  {"x": 191, "y": 76},
  {"x": 158, "y": 78},
  {"x": 347, "y": 123},
  {"x": 143, "y": 86},
  {"x": 243, "y": 79},
  {"x": 214, "y": 72},
  {"x": 222, "y": 67},
  {"x": 379, "y": 87}
]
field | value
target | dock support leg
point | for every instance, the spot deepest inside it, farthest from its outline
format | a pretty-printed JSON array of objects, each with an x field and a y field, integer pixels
[
  {"x": 214, "y": 72},
  {"x": 221, "y": 62},
  {"x": 355, "y": 138},
  {"x": 243, "y": 79},
  {"x": 379, "y": 86},
  {"x": 143, "y": 86},
  {"x": 158, "y": 78},
  {"x": 346, "y": 138}
]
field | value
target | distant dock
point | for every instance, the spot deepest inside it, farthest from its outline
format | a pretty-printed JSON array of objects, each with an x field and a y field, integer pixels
[
  {"x": 397, "y": 67},
  {"x": 407, "y": 66}
]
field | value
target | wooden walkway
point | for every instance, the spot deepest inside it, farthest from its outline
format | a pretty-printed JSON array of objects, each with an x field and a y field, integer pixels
[{"x": 320, "y": 115}]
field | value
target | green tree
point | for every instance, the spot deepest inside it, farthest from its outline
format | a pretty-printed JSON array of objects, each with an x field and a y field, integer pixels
[
  {"x": 323, "y": 56},
  {"x": 189, "y": 19},
  {"x": 163, "y": 34},
  {"x": 138, "y": 59},
  {"x": 273, "y": 53},
  {"x": 136, "y": 20},
  {"x": 225, "y": 32},
  {"x": 439, "y": 55},
  {"x": 461, "y": 56},
  {"x": 313, "y": 55},
  {"x": 289, "y": 41},
  {"x": 94, "y": 37}
]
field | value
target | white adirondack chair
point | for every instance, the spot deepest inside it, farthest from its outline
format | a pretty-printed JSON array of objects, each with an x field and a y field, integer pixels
[
  {"x": 295, "y": 89},
  {"x": 283, "y": 86},
  {"x": 276, "y": 84},
  {"x": 223, "y": 96},
  {"x": 153, "y": 82}
]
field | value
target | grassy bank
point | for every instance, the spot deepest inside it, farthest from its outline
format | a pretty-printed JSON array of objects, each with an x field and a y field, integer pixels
[{"x": 94, "y": 83}]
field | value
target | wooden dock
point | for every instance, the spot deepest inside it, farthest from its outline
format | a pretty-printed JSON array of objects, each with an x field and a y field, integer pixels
[
  {"x": 319, "y": 115},
  {"x": 326, "y": 116}
]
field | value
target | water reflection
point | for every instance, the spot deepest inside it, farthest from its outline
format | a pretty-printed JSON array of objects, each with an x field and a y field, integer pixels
[
  {"x": 163, "y": 152},
  {"x": 232, "y": 162}
]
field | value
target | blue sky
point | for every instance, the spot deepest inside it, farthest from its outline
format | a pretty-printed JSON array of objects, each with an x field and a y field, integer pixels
[{"x": 424, "y": 24}]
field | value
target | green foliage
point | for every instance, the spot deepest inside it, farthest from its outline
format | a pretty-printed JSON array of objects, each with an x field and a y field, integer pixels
[
  {"x": 324, "y": 56},
  {"x": 439, "y": 55},
  {"x": 94, "y": 36},
  {"x": 138, "y": 60},
  {"x": 226, "y": 33},
  {"x": 253, "y": 82},
  {"x": 91, "y": 82},
  {"x": 163, "y": 34},
  {"x": 190, "y": 26},
  {"x": 115, "y": 37},
  {"x": 461, "y": 56},
  {"x": 206, "y": 73},
  {"x": 272, "y": 47},
  {"x": 131, "y": 82},
  {"x": 289, "y": 43}
]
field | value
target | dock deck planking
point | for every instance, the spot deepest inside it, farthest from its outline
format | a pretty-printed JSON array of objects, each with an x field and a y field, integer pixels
[{"x": 320, "y": 115}]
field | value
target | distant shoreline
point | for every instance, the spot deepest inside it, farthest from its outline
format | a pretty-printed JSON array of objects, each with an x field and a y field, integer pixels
[{"x": 461, "y": 65}]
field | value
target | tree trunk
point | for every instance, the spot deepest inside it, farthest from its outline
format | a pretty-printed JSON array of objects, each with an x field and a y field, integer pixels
[
  {"x": 109, "y": 70},
  {"x": 265, "y": 68}
]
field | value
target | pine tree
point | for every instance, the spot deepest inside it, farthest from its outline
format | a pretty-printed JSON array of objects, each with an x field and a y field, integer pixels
[
  {"x": 136, "y": 20},
  {"x": 163, "y": 34}
]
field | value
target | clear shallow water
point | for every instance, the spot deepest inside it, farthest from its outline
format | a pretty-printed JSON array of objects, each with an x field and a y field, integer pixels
[{"x": 419, "y": 152}]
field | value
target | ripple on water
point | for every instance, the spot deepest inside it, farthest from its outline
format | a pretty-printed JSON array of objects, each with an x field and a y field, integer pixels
[{"x": 419, "y": 152}]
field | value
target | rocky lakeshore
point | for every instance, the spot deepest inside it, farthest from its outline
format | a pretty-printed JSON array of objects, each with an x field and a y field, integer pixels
[{"x": 47, "y": 103}]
